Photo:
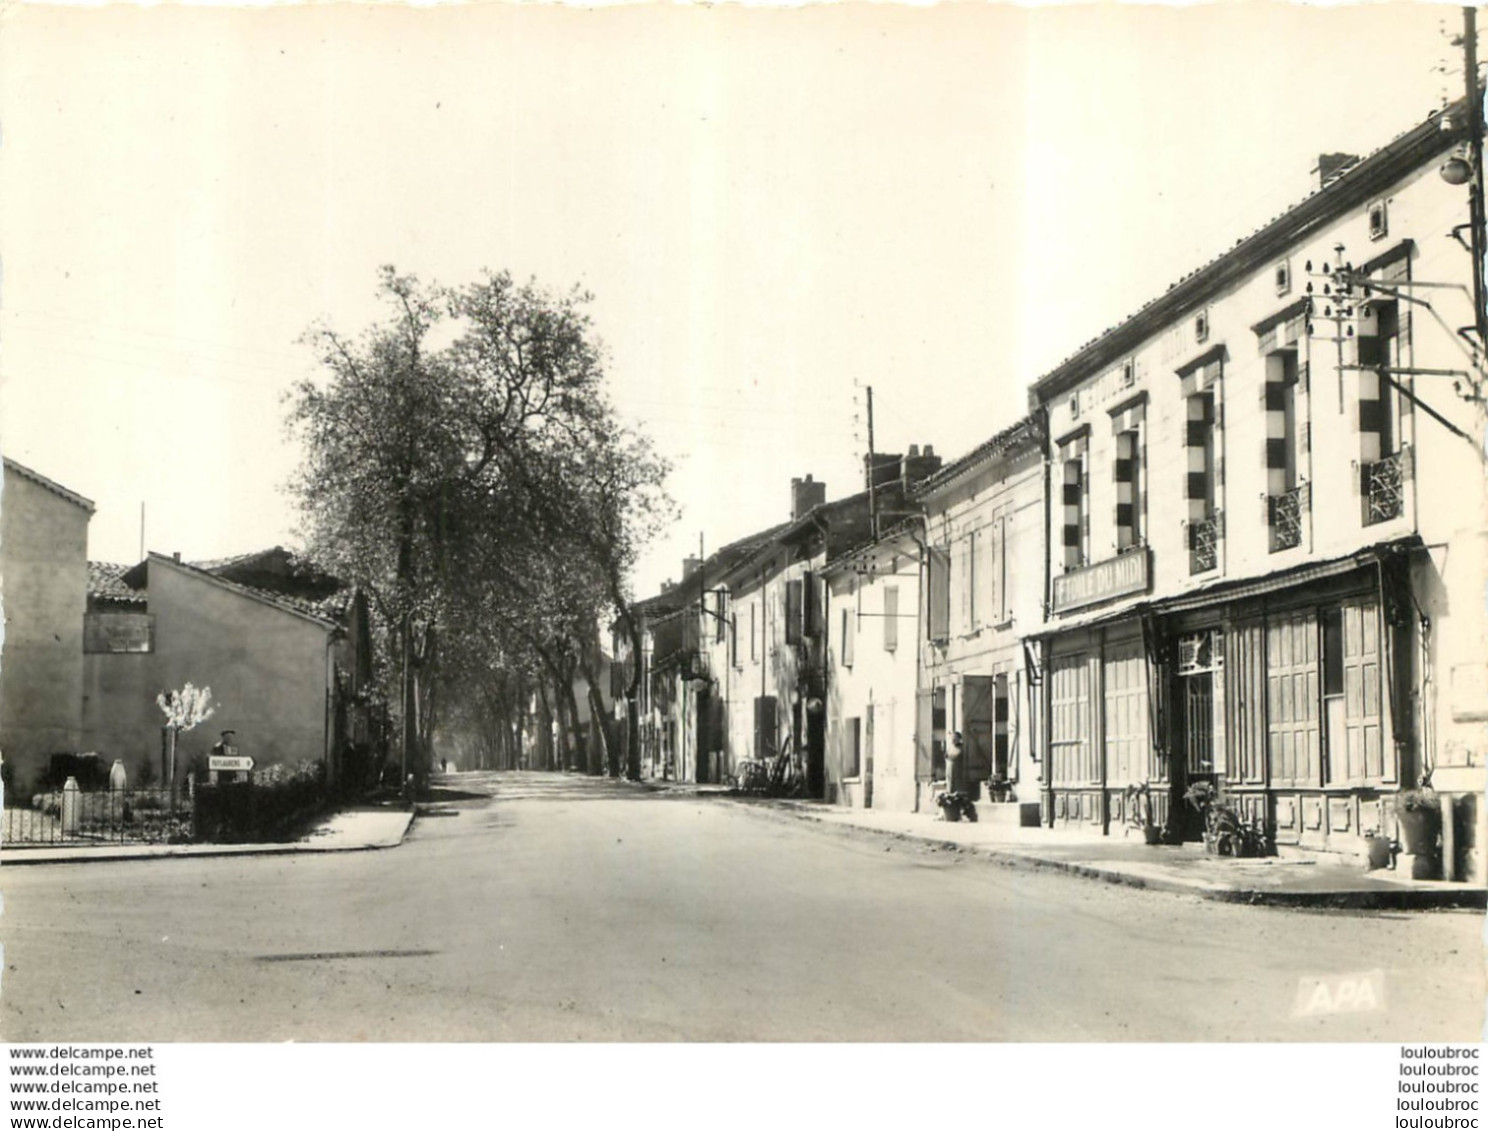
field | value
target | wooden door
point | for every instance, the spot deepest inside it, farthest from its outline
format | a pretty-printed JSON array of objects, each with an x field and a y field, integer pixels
[
  {"x": 1071, "y": 750},
  {"x": 1362, "y": 755},
  {"x": 1292, "y": 700},
  {"x": 978, "y": 718}
]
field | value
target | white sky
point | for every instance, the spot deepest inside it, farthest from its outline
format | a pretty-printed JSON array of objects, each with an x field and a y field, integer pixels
[{"x": 773, "y": 208}]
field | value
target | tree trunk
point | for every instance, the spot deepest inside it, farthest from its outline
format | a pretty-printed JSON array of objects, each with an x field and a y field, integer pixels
[
  {"x": 543, "y": 754},
  {"x": 601, "y": 726}
]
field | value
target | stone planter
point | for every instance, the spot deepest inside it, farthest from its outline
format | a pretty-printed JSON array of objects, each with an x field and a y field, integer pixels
[{"x": 1419, "y": 829}]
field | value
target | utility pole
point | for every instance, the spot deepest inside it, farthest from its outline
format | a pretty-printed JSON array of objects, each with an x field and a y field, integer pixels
[
  {"x": 1475, "y": 189},
  {"x": 872, "y": 473}
]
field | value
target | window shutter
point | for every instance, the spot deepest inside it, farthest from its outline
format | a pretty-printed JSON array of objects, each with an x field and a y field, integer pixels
[
  {"x": 815, "y": 605},
  {"x": 940, "y": 594},
  {"x": 847, "y": 637},
  {"x": 924, "y": 732},
  {"x": 793, "y": 611},
  {"x": 891, "y": 617}
]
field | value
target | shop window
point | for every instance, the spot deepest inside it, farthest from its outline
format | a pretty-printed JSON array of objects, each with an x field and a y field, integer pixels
[
  {"x": 938, "y": 734},
  {"x": 1000, "y": 735},
  {"x": 1332, "y": 652}
]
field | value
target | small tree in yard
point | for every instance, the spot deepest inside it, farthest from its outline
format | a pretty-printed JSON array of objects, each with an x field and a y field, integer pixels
[{"x": 184, "y": 710}]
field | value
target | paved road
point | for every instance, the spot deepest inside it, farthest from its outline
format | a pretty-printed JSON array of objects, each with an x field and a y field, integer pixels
[{"x": 575, "y": 909}]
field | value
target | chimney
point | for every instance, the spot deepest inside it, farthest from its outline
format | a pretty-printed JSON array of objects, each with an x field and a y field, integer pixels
[
  {"x": 883, "y": 471},
  {"x": 805, "y": 494},
  {"x": 1331, "y": 166},
  {"x": 667, "y": 586},
  {"x": 919, "y": 464},
  {"x": 690, "y": 565},
  {"x": 177, "y": 556}
]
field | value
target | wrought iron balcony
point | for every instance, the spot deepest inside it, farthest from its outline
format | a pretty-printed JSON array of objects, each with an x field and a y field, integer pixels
[
  {"x": 1286, "y": 517},
  {"x": 1384, "y": 487},
  {"x": 1203, "y": 543}
]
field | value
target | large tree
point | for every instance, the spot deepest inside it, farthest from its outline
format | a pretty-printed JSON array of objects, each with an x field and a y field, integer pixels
[{"x": 457, "y": 459}]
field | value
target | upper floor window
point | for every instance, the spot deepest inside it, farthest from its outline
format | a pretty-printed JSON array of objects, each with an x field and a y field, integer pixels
[
  {"x": 1382, "y": 463},
  {"x": 1283, "y": 453},
  {"x": 1074, "y": 454},
  {"x": 1204, "y": 470},
  {"x": 1130, "y": 476},
  {"x": 849, "y": 632}
]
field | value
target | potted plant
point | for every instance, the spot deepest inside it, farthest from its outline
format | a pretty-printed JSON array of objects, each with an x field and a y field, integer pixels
[
  {"x": 1226, "y": 832},
  {"x": 1419, "y": 814},
  {"x": 1139, "y": 813}
]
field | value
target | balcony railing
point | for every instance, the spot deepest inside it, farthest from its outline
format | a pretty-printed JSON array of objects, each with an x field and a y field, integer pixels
[
  {"x": 1286, "y": 517},
  {"x": 1384, "y": 487},
  {"x": 1203, "y": 543}
]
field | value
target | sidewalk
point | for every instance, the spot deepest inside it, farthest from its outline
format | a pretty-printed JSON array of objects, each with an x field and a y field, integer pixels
[
  {"x": 1296, "y": 880},
  {"x": 350, "y": 830}
]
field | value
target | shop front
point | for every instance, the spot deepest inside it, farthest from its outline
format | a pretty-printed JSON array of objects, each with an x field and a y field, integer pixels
[{"x": 1291, "y": 697}]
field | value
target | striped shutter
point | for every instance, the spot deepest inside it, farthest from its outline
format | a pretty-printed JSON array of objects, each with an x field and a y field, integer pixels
[
  {"x": 1074, "y": 499},
  {"x": 1128, "y": 425},
  {"x": 1369, "y": 421},
  {"x": 1200, "y": 422}
]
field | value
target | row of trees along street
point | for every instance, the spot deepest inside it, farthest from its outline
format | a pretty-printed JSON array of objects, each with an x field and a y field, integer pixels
[{"x": 464, "y": 466}]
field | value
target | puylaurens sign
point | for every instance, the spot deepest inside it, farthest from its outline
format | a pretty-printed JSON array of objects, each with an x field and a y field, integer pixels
[{"x": 1114, "y": 577}]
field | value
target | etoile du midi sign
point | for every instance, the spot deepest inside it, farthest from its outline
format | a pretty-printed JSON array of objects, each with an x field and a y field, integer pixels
[{"x": 1114, "y": 577}]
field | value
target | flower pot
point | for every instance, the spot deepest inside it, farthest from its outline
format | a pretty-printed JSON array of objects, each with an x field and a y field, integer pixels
[
  {"x": 1152, "y": 834},
  {"x": 1378, "y": 851},
  {"x": 1418, "y": 830}
]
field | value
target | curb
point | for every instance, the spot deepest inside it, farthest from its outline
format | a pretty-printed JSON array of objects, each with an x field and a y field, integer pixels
[
  {"x": 1339, "y": 899},
  {"x": 18, "y": 857}
]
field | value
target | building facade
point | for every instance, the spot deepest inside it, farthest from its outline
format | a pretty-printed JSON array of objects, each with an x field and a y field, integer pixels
[
  {"x": 1266, "y": 528},
  {"x": 872, "y": 627},
  {"x": 289, "y": 675},
  {"x": 984, "y": 532},
  {"x": 44, "y": 580}
]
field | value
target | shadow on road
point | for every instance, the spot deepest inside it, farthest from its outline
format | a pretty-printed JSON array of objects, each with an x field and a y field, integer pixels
[{"x": 526, "y": 785}]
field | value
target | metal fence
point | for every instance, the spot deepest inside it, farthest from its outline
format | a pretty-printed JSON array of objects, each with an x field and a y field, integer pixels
[{"x": 108, "y": 816}]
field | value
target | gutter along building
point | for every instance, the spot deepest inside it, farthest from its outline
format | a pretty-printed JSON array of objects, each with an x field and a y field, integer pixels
[{"x": 1267, "y": 525}]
